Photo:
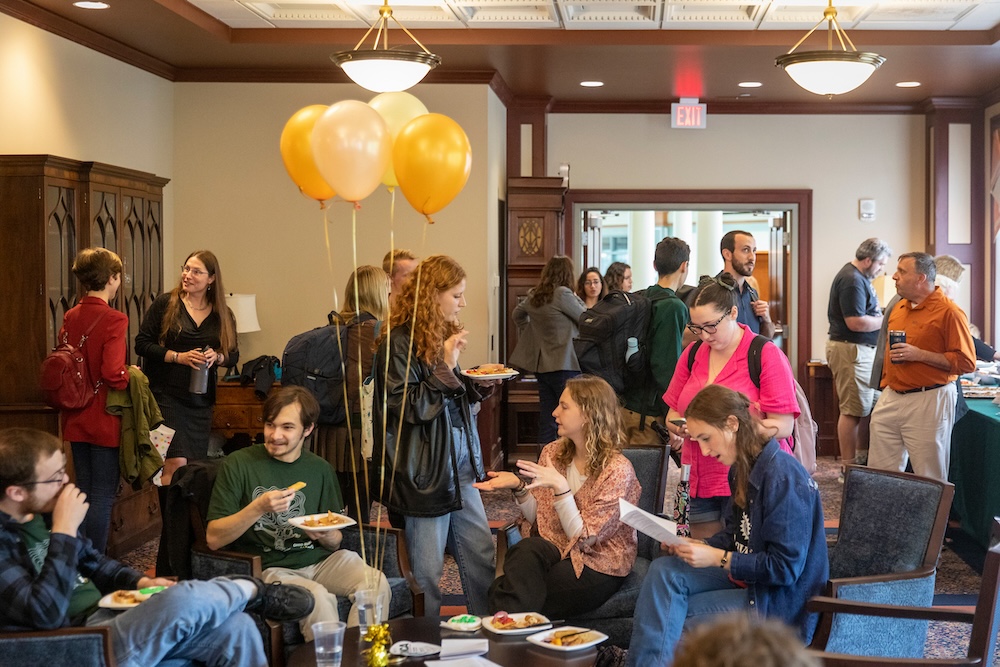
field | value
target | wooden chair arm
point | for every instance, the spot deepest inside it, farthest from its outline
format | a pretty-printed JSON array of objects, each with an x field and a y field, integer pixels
[
  {"x": 834, "y": 585},
  {"x": 846, "y": 660},
  {"x": 823, "y": 604}
]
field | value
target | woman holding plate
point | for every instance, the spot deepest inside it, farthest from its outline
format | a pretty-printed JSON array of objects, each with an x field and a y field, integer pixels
[
  {"x": 576, "y": 552},
  {"x": 429, "y": 452}
]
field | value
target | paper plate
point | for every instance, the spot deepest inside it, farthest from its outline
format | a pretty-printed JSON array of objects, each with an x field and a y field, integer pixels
[
  {"x": 506, "y": 375},
  {"x": 543, "y": 639},
  {"x": 463, "y": 623},
  {"x": 343, "y": 522},
  {"x": 541, "y": 625}
]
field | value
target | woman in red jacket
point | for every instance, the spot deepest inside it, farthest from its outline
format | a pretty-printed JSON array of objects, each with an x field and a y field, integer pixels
[{"x": 93, "y": 433}]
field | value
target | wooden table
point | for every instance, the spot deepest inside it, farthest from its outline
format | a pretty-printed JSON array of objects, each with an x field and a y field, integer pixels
[{"x": 508, "y": 651}]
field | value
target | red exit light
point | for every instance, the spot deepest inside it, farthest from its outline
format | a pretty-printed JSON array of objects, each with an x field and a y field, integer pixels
[{"x": 688, "y": 114}]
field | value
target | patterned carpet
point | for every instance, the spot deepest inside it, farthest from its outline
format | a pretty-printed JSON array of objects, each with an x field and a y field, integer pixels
[{"x": 957, "y": 581}]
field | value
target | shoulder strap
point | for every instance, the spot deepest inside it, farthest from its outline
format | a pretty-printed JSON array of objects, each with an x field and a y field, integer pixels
[
  {"x": 753, "y": 357},
  {"x": 90, "y": 329},
  {"x": 694, "y": 350}
]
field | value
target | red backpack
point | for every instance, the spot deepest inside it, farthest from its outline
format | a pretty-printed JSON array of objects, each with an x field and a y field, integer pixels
[{"x": 65, "y": 379}]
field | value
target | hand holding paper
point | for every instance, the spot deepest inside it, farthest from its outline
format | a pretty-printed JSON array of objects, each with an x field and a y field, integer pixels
[{"x": 659, "y": 529}]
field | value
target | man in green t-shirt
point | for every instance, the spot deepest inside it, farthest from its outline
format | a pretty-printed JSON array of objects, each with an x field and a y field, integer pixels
[
  {"x": 644, "y": 401},
  {"x": 252, "y": 503}
]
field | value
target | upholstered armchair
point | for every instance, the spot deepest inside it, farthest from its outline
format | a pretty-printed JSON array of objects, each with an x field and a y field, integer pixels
[
  {"x": 886, "y": 551},
  {"x": 877, "y": 618},
  {"x": 614, "y": 617},
  {"x": 66, "y": 647}
]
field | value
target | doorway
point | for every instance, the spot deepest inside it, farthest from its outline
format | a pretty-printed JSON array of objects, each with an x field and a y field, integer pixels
[{"x": 603, "y": 226}]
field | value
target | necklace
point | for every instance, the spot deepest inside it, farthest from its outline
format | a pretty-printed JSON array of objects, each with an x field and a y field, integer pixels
[{"x": 192, "y": 307}]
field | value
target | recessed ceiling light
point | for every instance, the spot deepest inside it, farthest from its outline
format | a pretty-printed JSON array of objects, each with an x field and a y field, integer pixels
[
  {"x": 83, "y": 4},
  {"x": 591, "y": 84},
  {"x": 908, "y": 84},
  {"x": 749, "y": 84},
  {"x": 743, "y": 95}
]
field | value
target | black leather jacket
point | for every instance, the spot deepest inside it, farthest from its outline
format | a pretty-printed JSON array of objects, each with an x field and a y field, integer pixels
[{"x": 425, "y": 482}]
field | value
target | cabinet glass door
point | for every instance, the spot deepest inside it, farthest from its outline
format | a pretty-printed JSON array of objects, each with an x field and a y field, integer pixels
[{"x": 60, "y": 250}]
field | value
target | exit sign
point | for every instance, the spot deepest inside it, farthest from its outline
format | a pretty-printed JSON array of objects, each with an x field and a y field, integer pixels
[{"x": 688, "y": 114}]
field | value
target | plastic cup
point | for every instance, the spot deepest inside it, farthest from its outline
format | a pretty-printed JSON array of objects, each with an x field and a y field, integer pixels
[
  {"x": 370, "y": 604},
  {"x": 328, "y": 637}
]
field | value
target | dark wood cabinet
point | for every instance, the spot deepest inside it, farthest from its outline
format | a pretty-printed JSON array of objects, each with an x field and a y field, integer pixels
[
  {"x": 823, "y": 402},
  {"x": 238, "y": 410},
  {"x": 50, "y": 208}
]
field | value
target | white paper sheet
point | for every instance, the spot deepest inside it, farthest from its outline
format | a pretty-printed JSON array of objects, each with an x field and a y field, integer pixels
[
  {"x": 659, "y": 529},
  {"x": 457, "y": 648}
]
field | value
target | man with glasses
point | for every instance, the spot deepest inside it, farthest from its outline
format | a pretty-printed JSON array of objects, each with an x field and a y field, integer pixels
[
  {"x": 644, "y": 401},
  {"x": 739, "y": 251},
  {"x": 855, "y": 318},
  {"x": 50, "y": 577}
]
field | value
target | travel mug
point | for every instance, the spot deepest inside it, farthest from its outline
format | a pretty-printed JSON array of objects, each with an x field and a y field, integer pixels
[
  {"x": 199, "y": 379},
  {"x": 896, "y": 336}
]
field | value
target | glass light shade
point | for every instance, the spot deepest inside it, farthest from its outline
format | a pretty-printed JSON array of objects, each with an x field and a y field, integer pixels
[
  {"x": 244, "y": 307},
  {"x": 829, "y": 72},
  {"x": 386, "y": 71}
]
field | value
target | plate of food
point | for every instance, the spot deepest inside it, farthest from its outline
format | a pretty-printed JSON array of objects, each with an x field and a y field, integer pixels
[
  {"x": 490, "y": 372},
  {"x": 128, "y": 599},
  {"x": 503, "y": 623},
  {"x": 463, "y": 623},
  {"x": 568, "y": 638},
  {"x": 322, "y": 522}
]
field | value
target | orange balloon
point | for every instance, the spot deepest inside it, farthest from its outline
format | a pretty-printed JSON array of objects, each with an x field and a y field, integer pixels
[
  {"x": 352, "y": 148},
  {"x": 296, "y": 153},
  {"x": 432, "y": 158}
]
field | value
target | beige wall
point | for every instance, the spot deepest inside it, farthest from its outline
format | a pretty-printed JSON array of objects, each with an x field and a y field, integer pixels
[
  {"x": 840, "y": 158},
  {"x": 233, "y": 196}
]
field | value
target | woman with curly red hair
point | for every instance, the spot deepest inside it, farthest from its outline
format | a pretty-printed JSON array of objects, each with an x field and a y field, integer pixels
[{"x": 429, "y": 451}]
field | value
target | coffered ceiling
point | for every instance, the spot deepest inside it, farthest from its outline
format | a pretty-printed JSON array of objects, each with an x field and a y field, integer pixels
[{"x": 647, "y": 52}]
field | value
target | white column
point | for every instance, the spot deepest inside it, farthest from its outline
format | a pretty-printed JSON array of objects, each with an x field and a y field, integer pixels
[
  {"x": 641, "y": 245},
  {"x": 709, "y": 259}
]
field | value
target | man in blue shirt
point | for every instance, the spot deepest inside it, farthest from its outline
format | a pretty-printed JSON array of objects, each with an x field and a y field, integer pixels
[
  {"x": 739, "y": 251},
  {"x": 51, "y": 577}
]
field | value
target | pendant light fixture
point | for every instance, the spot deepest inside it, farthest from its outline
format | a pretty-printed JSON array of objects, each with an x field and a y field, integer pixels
[
  {"x": 830, "y": 72},
  {"x": 384, "y": 70}
]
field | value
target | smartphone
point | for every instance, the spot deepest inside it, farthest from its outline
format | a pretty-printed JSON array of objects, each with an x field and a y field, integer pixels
[{"x": 679, "y": 423}]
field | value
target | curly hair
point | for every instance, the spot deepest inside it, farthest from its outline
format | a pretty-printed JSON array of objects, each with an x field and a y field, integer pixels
[
  {"x": 738, "y": 640},
  {"x": 714, "y": 405},
  {"x": 558, "y": 272},
  {"x": 615, "y": 275},
  {"x": 430, "y": 330},
  {"x": 215, "y": 295},
  {"x": 604, "y": 430}
]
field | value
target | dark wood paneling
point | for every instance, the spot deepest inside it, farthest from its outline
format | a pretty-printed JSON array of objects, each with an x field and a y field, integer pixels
[{"x": 823, "y": 402}]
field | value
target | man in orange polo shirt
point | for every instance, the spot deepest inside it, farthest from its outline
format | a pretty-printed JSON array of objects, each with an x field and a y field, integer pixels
[{"x": 916, "y": 411}]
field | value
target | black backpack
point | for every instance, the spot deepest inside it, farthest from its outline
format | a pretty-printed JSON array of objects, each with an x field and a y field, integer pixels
[
  {"x": 314, "y": 360},
  {"x": 604, "y": 333}
]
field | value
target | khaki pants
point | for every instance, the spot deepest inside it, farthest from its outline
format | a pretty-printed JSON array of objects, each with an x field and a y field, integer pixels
[{"x": 633, "y": 435}]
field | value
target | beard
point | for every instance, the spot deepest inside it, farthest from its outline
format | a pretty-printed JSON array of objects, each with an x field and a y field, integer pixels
[{"x": 743, "y": 268}]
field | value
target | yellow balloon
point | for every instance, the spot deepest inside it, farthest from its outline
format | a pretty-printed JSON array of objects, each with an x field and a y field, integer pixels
[
  {"x": 432, "y": 157},
  {"x": 296, "y": 153},
  {"x": 397, "y": 109},
  {"x": 352, "y": 148}
]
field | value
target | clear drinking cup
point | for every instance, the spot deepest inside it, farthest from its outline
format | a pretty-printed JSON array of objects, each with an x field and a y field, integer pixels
[
  {"x": 328, "y": 637},
  {"x": 370, "y": 605}
]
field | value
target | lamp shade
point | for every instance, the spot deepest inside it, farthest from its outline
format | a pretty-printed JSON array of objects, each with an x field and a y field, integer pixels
[
  {"x": 386, "y": 70},
  {"x": 244, "y": 307},
  {"x": 829, "y": 72}
]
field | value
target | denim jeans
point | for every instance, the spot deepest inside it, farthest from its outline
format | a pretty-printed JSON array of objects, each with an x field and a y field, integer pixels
[
  {"x": 198, "y": 621},
  {"x": 550, "y": 388},
  {"x": 466, "y": 532},
  {"x": 97, "y": 475},
  {"x": 673, "y": 596}
]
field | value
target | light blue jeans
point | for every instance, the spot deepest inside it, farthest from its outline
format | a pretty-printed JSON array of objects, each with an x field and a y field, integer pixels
[
  {"x": 197, "y": 621},
  {"x": 673, "y": 596},
  {"x": 467, "y": 534}
]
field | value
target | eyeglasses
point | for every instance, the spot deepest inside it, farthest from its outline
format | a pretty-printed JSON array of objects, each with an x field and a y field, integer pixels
[
  {"x": 709, "y": 328},
  {"x": 592, "y": 282},
  {"x": 197, "y": 273},
  {"x": 59, "y": 478}
]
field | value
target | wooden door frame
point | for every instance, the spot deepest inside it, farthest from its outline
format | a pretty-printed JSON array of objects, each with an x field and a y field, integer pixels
[{"x": 800, "y": 200}]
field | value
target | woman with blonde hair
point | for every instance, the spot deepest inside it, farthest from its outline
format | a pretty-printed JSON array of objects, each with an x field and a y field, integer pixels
[
  {"x": 431, "y": 447},
  {"x": 546, "y": 326},
  {"x": 94, "y": 434},
  {"x": 184, "y": 330},
  {"x": 769, "y": 557},
  {"x": 366, "y": 307},
  {"x": 576, "y": 552}
]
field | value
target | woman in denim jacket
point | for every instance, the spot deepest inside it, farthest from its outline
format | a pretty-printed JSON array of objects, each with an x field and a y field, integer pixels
[{"x": 769, "y": 558}]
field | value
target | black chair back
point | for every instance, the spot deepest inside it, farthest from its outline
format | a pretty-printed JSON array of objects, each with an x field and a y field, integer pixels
[{"x": 650, "y": 464}]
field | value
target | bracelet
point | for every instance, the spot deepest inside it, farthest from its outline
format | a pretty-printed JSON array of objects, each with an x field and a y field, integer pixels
[
  {"x": 725, "y": 559},
  {"x": 556, "y": 495},
  {"x": 174, "y": 360},
  {"x": 520, "y": 490}
]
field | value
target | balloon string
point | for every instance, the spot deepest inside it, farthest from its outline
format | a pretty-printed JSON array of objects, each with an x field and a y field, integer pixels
[
  {"x": 326, "y": 235},
  {"x": 380, "y": 554}
]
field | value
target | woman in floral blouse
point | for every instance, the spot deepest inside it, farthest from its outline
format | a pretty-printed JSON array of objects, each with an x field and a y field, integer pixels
[{"x": 576, "y": 552}]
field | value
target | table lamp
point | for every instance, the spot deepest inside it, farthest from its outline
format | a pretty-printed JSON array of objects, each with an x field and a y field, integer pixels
[{"x": 244, "y": 307}]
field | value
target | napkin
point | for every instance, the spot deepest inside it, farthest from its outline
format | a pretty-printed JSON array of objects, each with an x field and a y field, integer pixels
[
  {"x": 459, "y": 648},
  {"x": 477, "y": 661}
]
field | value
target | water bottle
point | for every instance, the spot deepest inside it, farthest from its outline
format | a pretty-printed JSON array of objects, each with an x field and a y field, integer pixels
[
  {"x": 199, "y": 379},
  {"x": 632, "y": 346}
]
